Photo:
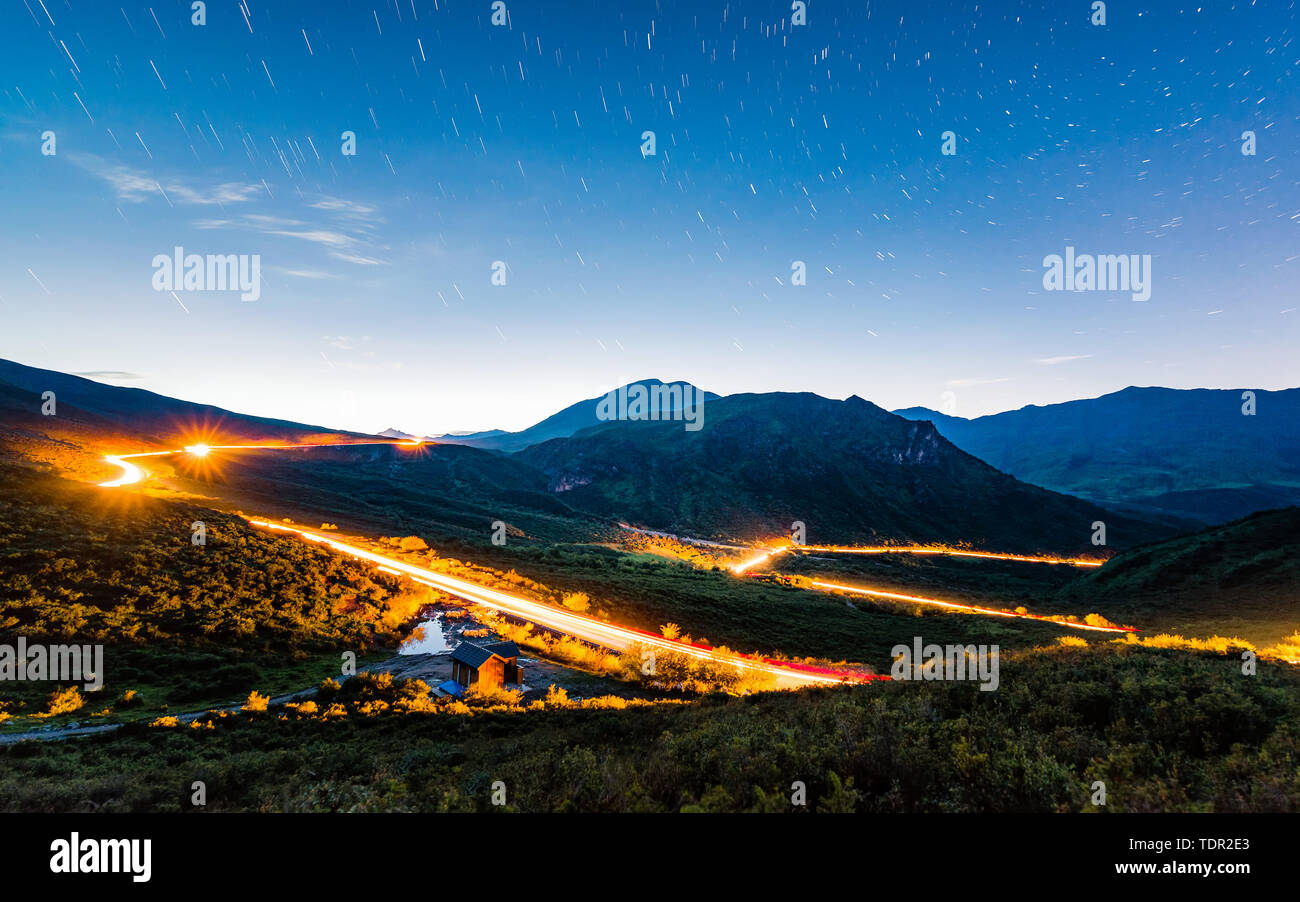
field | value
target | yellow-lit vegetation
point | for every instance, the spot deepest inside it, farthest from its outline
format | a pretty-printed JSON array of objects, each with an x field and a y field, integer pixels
[
  {"x": 63, "y": 701},
  {"x": 662, "y": 546},
  {"x": 1286, "y": 650},
  {"x": 376, "y": 694},
  {"x": 577, "y": 601},
  {"x": 667, "y": 669},
  {"x": 124, "y": 570},
  {"x": 507, "y": 580},
  {"x": 481, "y": 694},
  {"x": 1178, "y": 731},
  {"x": 565, "y": 649},
  {"x": 1220, "y": 645}
]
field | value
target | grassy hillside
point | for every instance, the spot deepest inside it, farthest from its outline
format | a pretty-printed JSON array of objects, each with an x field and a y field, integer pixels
[
  {"x": 1240, "y": 579},
  {"x": 443, "y": 490},
  {"x": 91, "y": 419},
  {"x": 1165, "y": 730},
  {"x": 149, "y": 415},
  {"x": 182, "y": 624},
  {"x": 438, "y": 491},
  {"x": 847, "y": 469}
]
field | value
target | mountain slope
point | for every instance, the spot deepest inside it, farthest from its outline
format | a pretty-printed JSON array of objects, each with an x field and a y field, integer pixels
[
  {"x": 445, "y": 490},
  {"x": 144, "y": 414},
  {"x": 1238, "y": 579},
  {"x": 437, "y": 491},
  {"x": 1188, "y": 453},
  {"x": 91, "y": 419},
  {"x": 848, "y": 469},
  {"x": 566, "y": 422}
]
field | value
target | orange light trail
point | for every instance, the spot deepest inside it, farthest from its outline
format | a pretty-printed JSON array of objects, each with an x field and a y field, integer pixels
[
  {"x": 742, "y": 567},
  {"x": 953, "y": 552},
  {"x": 132, "y": 474},
  {"x": 970, "y": 608}
]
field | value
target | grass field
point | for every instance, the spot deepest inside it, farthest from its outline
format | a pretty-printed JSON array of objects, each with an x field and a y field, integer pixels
[{"x": 1164, "y": 729}]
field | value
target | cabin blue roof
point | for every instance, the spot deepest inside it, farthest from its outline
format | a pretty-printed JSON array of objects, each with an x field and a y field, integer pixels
[{"x": 451, "y": 687}]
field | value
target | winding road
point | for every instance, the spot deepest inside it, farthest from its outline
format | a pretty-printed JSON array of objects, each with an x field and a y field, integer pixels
[{"x": 785, "y": 675}]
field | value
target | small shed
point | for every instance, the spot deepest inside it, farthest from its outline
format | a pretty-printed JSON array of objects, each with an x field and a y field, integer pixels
[{"x": 493, "y": 664}]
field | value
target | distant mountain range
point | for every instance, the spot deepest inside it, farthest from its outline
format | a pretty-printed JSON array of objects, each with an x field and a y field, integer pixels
[
  {"x": 1187, "y": 453},
  {"x": 1138, "y": 460}
]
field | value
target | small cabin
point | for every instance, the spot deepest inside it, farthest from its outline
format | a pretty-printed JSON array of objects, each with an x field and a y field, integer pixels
[{"x": 493, "y": 664}]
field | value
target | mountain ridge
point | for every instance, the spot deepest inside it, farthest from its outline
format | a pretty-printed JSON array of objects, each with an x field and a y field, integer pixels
[
  {"x": 850, "y": 470},
  {"x": 565, "y": 422},
  {"x": 1188, "y": 453}
]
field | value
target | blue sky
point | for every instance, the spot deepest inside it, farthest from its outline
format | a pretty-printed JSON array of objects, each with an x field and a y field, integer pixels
[{"x": 522, "y": 144}]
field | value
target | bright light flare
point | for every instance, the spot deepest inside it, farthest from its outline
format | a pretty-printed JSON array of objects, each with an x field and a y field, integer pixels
[{"x": 199, "y": 450}]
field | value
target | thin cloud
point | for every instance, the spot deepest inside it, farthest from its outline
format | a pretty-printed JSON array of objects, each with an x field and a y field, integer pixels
[
  {"x": 308, "y": 274},
  {"x": 262, "y": 220},
  {"x": 346, "y": 230},
  {"x": 1053, "y": 361},
  {"x": 134, "y": 186},
  {"x": 360, "y": 261},
  {"x": 316, "y": 236},
  {"x": 348, "y": 208}
]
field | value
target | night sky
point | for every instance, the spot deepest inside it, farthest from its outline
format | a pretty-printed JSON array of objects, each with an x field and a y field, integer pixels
[{"x": 523, "y": 144}]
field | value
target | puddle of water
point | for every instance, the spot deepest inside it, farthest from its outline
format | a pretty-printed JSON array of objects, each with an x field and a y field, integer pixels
[{"x": 427, "y": 639}]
